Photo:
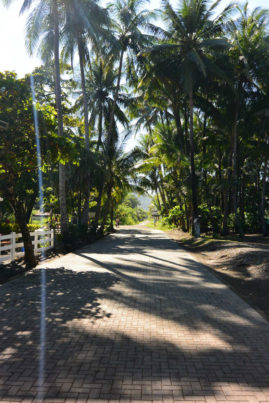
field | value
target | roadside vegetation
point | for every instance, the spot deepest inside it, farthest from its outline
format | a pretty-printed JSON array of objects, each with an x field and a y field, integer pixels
[
  {"x": 191, "y": 81},
  {"x": 130, "y": 212}
]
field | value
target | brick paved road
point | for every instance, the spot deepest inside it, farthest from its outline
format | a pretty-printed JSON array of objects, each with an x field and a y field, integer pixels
[{"x": 132, "y": 318}]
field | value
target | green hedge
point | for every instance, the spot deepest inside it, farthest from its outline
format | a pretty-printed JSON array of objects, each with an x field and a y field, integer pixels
[{"x": 7, "y": 228}]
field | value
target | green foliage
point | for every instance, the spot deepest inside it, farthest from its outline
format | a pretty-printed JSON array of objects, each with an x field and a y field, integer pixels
[
  {"x": 127, "y": 215},
  {"x": 175, "y": 216},
  {"x": 210, "y": 218},
  {"x": 129, "y": 212},
  {"x": 161, "y": 224},
  {"x": 7, "y": 228},
  {"x": 131, "y": 201},
  {"x": 18, "y": 159},
  {"x": 198, "y": 88}
]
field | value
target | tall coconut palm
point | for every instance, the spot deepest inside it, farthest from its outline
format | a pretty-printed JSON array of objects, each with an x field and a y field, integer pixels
[
  {"x": 85, "y": 20},
  {"x": 129, "y": 19},
  {"x": 122, "y": 168},
  {"x": 100, "y": 90},
  {"x": 249, "y": 47},
  {"x": 193, "y": 35},
  {"x": 100, "y": 93},
  {"x": 43, "y": 31}
]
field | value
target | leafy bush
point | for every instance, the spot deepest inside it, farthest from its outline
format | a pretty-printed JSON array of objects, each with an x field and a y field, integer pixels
[
  {"x": 126, "y": 215},
  {"x": 7, "y": 228},
  {"x": 210, "y": 220},
  {"x": 251, "y": 222},
  {"x": 175, "y": 216},
  {"x": 165, "y": 221},
  {"x": 129, "y": 211}
]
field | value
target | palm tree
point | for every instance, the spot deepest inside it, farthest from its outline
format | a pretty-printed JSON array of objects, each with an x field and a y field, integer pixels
[
  {"x": 127, "y": 38},
  {"x": 122, "y": 169},
  {"x": 100, "y": 94},
  {"x": 85, "y": 20},
  {"x": 192, "y": 37},
  {"x": 129, "y": 18},
  {"x": 249, "y": 45},
  {"x": 43, "y": 31},
  {"x": 100, "y": 90}
]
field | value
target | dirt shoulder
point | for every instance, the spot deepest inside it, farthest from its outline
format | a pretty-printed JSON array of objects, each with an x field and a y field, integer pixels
[{"x": 242, "y": 264}]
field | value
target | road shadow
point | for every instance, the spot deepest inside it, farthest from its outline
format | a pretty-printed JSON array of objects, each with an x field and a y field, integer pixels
[
  {"x": 11, "y": 269},
  {"x": 70, "y": 296},
  {"x": 202, "y": 340},
  {"x": 242, "y": 266}
]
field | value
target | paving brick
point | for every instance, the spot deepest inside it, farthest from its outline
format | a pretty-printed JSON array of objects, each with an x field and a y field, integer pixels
[{"x": 131, "y": 318}]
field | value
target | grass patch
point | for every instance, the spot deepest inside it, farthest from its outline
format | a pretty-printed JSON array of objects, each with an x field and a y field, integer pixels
[
  {"x": 205, "y": 242},
  {"x": 159, "y": 225}
]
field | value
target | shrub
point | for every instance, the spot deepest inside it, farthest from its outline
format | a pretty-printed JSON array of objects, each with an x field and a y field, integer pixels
[
  {"x": 210, "y": 221},
  {"x": 7, "y": 228},
  {"x": 175, "y": 216}
]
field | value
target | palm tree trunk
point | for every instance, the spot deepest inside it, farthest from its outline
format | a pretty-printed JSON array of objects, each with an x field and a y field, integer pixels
[
  {"x": 162, "y": 190},
  {"x": 195, "y": 217},
  {"x": 238, "y": 226},
  {"x": 225, "y": 230},
  {"x": 98, "y": 206},
  {"x": 187, "y": 214},
  {"x": 242, "y": 200},
  {"x": 106, "y": 207},
  {"x": 263, "y": 222},
  {"x": 111, "y": 228},
  {"x": 159, "y": 187},
  {"x": 62, "y": 187},
  {"x": 156, "y": 191},
  {"x": 115, "y": 99},
  {"x": 109, "y": 139},
  {"x": 176, "y": 114},
  {"x": 220, "y": 181},
  {"x": 84, "y": 95},
  {"x": 100, "y": 127},
  {"x": 158, "y": 199},
  {"x": 85, "y": 214},
  {"x": 79, "y": 207},
  {"x": 105, "y": 213},
  {"x": 226, "y": 194}
]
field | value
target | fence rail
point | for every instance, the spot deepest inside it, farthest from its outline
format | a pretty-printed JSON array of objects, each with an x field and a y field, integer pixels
[{"x": 12, "y": 244}]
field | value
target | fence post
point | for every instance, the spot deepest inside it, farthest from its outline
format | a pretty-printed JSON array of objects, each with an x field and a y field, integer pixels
[
  {"x": 13, "y": 246},
  {"x": 52, "y": 235},
  {"x": 36, "y": 241}
]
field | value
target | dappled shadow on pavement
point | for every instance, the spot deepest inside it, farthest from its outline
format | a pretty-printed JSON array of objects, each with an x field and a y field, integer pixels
[
  {"x": 70, "y": 296},
  {"x": 244, "y": 266},
  {"x": 11, "y": 269},
  {"x": 151, "y": 324}
]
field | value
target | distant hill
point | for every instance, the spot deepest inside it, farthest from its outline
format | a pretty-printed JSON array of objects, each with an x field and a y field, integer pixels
[{"x": 145, "y": 201}]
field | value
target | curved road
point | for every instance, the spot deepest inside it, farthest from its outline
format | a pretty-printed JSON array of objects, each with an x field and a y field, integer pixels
[{"x": 131, "y": 318}]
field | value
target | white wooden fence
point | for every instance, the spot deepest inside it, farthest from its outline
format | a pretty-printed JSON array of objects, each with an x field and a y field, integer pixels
[{"x": 11, "y": 246}]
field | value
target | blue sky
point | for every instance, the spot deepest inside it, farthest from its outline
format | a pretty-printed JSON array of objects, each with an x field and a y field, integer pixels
[{"x": 13, "y": 55}]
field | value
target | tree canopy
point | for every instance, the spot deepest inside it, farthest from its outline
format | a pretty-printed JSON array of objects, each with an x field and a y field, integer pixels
[{"x": 192, "y": 83}]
